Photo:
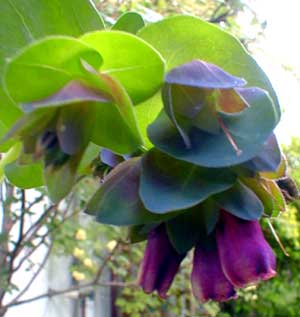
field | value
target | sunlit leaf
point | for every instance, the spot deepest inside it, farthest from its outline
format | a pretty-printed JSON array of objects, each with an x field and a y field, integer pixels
[
  {"x": 34, "y": 74},
  {"x": 130, "y": 60},
  {"x": 25, "y": 176},
  {"x": 62, "y": 17}
]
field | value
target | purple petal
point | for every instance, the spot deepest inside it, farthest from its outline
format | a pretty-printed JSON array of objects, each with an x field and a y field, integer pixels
[
  {"x": 73, "y": 92},
  {"x": 109, "y": 158},
  {"x": 160, "y": 263},
  {"x": 208, "y": 279},
  {"x": 245, "y": 255},
  {"x": 203, "y": 75}
]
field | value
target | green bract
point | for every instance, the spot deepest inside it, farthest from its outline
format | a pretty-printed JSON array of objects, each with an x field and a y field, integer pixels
[
  {"x": 129, "y": 59},
  {"x": 28, "y": 20}
]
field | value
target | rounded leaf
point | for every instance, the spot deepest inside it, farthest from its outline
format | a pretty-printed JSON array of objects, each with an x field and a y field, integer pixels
[
  {"x": 45, "y": 66},
  {"x": 129, "y": 59}
]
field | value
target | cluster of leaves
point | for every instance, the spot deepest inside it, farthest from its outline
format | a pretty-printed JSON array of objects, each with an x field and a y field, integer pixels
[{"x": 168, "y": 97}]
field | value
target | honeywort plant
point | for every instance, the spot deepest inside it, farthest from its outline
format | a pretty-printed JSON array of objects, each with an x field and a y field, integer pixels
[{"x": 183, "y": 116}]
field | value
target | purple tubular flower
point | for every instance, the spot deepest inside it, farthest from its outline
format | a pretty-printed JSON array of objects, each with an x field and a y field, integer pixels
[
  {"x": 160, "y": 264},
  {"x": 208, "y": 280},
  {"x": 245, "y": 255}
]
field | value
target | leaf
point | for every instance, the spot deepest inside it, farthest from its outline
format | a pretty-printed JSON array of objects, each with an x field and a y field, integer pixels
[
  {"x": 8, "y": 157},
  {"x": 91, "y": 152},
  {"x": 25, "y": 176},
  {"x": 139, "y": 233},
  {"x": 279, "y": 173},
  {"x": 97, "y": 107},
  {"x": 257, "y": 186},
  {"x": 210, "y": 210},
  {"x": 28, "y": 20},
  {"x": 185, "y": 230},
  {"x": 168, "y": 184},
  {"x": 120, "y": 111},
  {"x": 181, "y": 39},
  {"x": 249, "y": 129},
  {"x": 275, "y": 191},
  {"x": 30, "y": 124},
  {"x": 133, "y": 62},
  {"x": 117, "y": 201},
  {"x": 34, "y": 74},
  {"x": 269, "y": 158},
  {"x": 146, "y": 113},
  {"x": 130, "y": 22},
  {"x": 119, "y": 138},
  {"x": 60, "y": 179},
  {"x": 240, "y": 201}
]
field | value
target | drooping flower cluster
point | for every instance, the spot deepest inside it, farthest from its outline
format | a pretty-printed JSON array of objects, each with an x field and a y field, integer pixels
[
  {"x": 214, "y": 171},
  {"x": 233, "y": 256}
]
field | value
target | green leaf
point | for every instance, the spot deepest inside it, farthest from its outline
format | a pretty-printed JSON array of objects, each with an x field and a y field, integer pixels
[
  {"x": 130, "y": 60},
  {"x": 125, "y": 137},
  {"x": 249, "y": 129},
  {"x": 117, "y": 201},
  {"x": 8, "y": 157},
  {"x": 181, "y": 39},
  {"x": 210, "y": 210},
  {"x": 185, "y": 230},
  {"x": 168, "y": 184},
  {"x": 146, "y": 113},
  {"x": 59, "y": 180},
  {"x": 275, "y": 191},
  {"x": 257, "y": 186},
  {"x": 34, "y": 74},
  {"x": 28, "y": 20},
  {"x": 25, "y": 176},
  {"x": 118, "y": 138},
  {"x": 140, "y": 233},
  {"x": 240, "y": 201},
  {"x": 130, "y": 22},
  {"x": 91, "y": 152}
]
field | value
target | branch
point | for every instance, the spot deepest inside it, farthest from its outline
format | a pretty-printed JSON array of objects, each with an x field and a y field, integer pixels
[
  {"x": 53, "y": 293},
  {"x": 35, "y": 275}
]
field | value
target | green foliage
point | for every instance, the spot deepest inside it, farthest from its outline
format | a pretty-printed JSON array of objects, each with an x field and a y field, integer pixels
[
  {"x": 59, "y": 18},
  {"x": 130, "y": 22},
  {"x": 84, "y": 88},
  {"x": 133, "y": 62}
]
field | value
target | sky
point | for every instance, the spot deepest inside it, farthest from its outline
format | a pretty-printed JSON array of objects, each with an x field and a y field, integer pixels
[{"x": 279, "y": 46}]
